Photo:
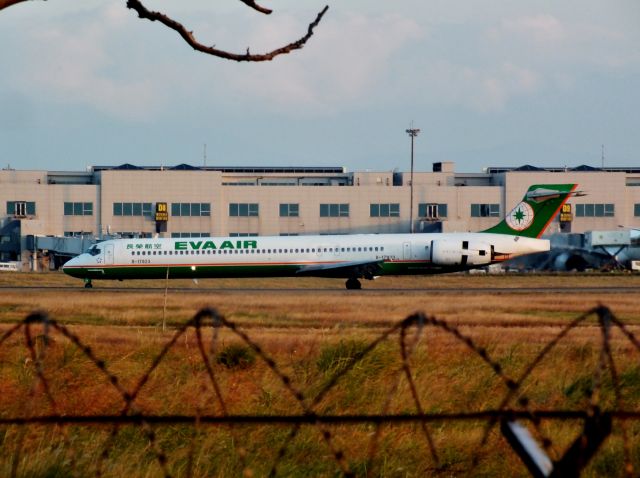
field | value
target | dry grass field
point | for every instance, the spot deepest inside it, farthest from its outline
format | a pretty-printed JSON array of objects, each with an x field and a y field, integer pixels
[{"x": 310, "y": 336}]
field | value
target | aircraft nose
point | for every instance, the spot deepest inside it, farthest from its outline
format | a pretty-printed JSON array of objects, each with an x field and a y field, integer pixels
[{"x": 70, "y": 263}]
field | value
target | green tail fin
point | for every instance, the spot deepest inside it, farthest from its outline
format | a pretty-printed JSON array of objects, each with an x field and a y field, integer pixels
[{"x": 533, "y": 214}]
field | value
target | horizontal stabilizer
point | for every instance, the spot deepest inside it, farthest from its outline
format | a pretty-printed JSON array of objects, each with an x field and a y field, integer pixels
[{"x": 542, "y": 194}]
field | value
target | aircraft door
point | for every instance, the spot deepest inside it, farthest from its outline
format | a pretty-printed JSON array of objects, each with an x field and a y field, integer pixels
[
  {"x": 108, "y": 254},
  {"x": 406, "y": 251}
]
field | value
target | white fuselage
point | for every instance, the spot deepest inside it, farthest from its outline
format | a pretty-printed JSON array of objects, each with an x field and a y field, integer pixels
[{"x": 329, "y": 256}]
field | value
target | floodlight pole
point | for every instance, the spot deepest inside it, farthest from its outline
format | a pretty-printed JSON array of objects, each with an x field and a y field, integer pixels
[{"x": 412, "y": 132}]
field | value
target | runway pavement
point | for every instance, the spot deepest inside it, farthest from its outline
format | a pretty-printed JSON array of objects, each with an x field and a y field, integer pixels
[{"x": 314, "y": 291}]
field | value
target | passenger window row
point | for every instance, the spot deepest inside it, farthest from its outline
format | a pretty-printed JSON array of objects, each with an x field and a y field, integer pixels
[{"x": 257, "y": 251}]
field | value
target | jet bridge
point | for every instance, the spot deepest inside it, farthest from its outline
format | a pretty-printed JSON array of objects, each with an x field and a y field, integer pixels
[{"x": 57, "y": 249}]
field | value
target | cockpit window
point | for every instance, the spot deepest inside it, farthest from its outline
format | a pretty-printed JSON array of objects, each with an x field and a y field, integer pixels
[{"x": 94, "y": 250}]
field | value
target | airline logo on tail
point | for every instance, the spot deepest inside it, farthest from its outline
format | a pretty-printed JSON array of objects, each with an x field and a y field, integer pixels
[
  {"x": 520, "y": 217},
  {"x": 535, "y": 211}
]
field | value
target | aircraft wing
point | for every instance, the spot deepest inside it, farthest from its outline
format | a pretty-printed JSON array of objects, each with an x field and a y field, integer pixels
[{"x": 347, "y": 269}]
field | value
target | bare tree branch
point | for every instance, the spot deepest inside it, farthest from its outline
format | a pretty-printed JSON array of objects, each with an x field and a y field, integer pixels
[
  {"x": 255, "y": 6},
  {"x": 7, "y": 3},
  {"x": 211, "y": 50},
  {"x": 188, "y": 36}
]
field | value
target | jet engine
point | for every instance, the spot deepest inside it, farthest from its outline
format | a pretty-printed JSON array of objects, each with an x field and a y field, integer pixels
[{"x": 460, "y": 253}]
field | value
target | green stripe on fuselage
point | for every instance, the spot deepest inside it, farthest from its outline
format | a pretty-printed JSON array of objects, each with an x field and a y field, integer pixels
[{"x": 225, "y": 271}]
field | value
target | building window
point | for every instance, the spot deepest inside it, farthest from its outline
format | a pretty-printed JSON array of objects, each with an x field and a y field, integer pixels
[
  {"x": 190, "y": 209},
  {"x": 485, "y": 210},
  {"x": 131, "y": 208},
  {"x": 21, "y": 208},
  {"x": 243, "y": 209},
  {"x": 595, "y": 210},
  {"x": 190, "y": 234},
  {"x": 636, "y": 210},
  {"x": 243, "y": 234},
  {"x": 240, "y": 183},
  {"x": 278, "y": 183},
  {"x": 384, "y": 210},
  {"x": 288, "y": 233},
  {"x": 289, "y": 210},
  {"x": 432, "y": 210},
  {"x": 133, "y": 235},
  {"x": 78, "y": 209},
  {"x": 334, "y": 210}
]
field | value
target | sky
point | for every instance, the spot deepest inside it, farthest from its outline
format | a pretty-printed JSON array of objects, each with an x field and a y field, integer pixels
[{"x": 489, "y": 83}]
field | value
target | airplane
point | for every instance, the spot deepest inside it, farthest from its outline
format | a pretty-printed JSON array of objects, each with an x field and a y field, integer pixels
[{"x": 352, "y": 257}]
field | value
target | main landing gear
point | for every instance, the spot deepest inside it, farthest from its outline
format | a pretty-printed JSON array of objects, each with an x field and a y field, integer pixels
[
  {"x": 353, "y": 284},
  {"x": 88, "y": 284}
]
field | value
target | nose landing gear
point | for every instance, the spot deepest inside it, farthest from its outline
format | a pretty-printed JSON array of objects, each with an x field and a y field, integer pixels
[
  {"x": 353, "y": 284},
  {"x": 88, "y": 284}
]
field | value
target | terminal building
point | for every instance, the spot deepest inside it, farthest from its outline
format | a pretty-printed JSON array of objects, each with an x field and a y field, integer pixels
[{"x": 38, "y": 208}]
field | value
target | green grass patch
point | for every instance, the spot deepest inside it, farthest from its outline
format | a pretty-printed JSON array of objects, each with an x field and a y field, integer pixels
[{"x": 236, "y": 356}]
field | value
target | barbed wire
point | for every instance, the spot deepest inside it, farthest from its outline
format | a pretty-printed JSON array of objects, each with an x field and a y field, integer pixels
[{"x": 514, "y": 407}]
